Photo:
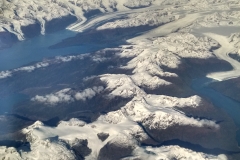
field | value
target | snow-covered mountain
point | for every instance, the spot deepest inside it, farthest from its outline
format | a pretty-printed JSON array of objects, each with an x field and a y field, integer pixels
[
  {"x": 16, "y": 14},
  {"x": 149, "y": 75}
]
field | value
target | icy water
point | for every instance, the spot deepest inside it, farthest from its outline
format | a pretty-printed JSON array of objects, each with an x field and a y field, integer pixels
[
  {"x": 229, "y": 105},
  {"x": 11, "y": 100},
  {"x": 36, "y": 49},
  {"x": 200, "y": 85}
]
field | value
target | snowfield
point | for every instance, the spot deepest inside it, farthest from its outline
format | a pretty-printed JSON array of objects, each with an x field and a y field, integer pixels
[{"x": 157, "y": 61}]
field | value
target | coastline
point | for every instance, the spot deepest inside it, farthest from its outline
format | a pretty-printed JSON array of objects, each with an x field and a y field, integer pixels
[{"x": 8, "y": 39}]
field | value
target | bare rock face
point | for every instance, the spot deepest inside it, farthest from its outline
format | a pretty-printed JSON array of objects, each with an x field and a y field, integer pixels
[
  {"x": 138, "y": 4},
  {"x": 80, "y": 146},
  {"x": 207, "y": 137},
  {"x": 168, "y": 124},
  {"x": 173, "y": 152},
  {"x": 119, "y": 147},
  {"x": 103, "y": 136}
]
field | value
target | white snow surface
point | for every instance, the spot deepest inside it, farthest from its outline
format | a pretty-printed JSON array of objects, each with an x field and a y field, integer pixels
[
  {"x": 222, "y": 53},
  {"x": 118, "y": 124},
  {"x": 15, "y": 14},
  {"x": 173, "y": 152},
  {"x": 151, "y": 18}
]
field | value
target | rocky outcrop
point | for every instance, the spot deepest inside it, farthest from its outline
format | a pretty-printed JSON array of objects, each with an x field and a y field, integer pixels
[
  {"x": 80, "y": 147},
  {"x": 103, "y": 136},
  {"x": 120, "y": 147}
]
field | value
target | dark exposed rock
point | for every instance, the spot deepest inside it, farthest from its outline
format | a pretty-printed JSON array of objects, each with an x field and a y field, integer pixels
[
  {"x": 235, "y": 56},
  {"x": 137, "y": 7},
  {"x": 196, "y": 68},
  {"x": 117, "y": 148},
  {"x": 80, "y": 147},
  {"x": 103, "y": 136},
  {"x": 52, "y": 122},
  {"x": 206, "y": 136},
  {"x": 91, "y": 13}
]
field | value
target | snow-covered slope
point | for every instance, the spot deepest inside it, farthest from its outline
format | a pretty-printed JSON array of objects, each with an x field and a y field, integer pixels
[
  {"x": 147, "y": 119},
  {"x": 153, "y": 62},
  {"x": 16, "y": 14}
]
